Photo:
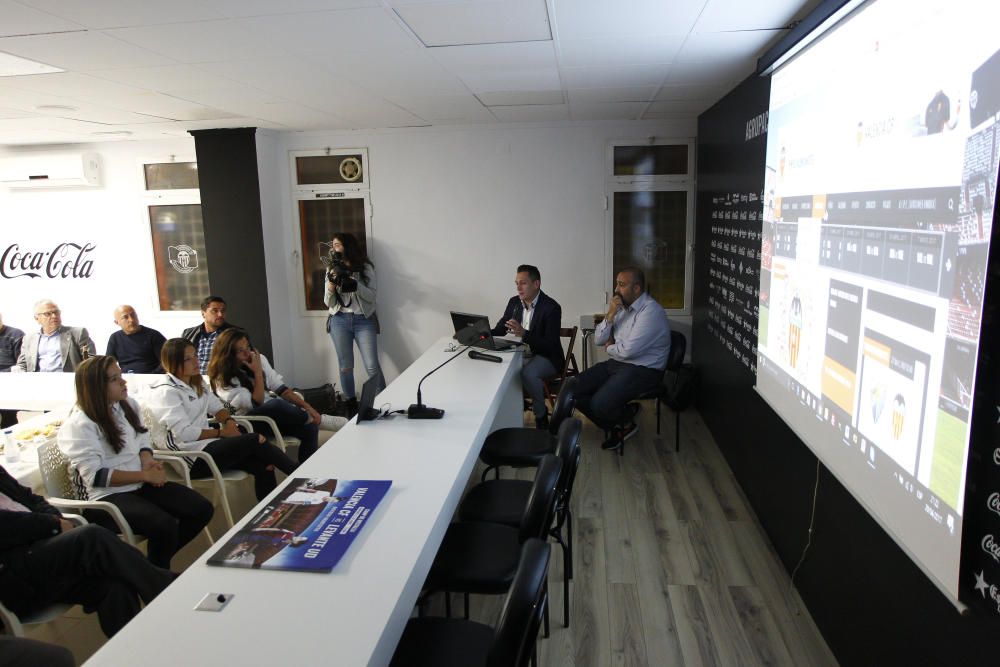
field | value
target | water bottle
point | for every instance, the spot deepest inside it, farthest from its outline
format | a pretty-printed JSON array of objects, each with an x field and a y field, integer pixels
[{"x": 11, "y": 450}]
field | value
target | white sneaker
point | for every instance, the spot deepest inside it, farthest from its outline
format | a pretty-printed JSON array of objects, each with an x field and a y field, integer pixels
[{"x": 332, "y": 423}]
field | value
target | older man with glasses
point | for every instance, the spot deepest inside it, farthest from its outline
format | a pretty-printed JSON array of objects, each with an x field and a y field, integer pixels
[{"x": 54, "y": 348}]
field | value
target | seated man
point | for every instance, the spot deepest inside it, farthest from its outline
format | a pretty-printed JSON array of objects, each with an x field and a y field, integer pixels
[
  {"x": 636, "y": 334},
  {"x": 10, "y": 350},
  {"x": 54, "y": 348},
  {"x": 535, "y": 317},
  {"x": 213, "y": 312},
  {"x": 45, "y": 559},
  {"x": 137, "y": 348},
  {"x": 10, "y": 346}
]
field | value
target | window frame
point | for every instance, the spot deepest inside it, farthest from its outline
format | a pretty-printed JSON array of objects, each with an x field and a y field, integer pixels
[
  {"x": 310, "y": 188},
  {"x": 174, "y": 197},
  {"x": 661, "y": 183}
]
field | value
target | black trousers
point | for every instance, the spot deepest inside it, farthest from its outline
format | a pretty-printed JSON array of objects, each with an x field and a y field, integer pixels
[
  {"x": 89, "y": 566},
  {"x": 605, "y": 388},
  {"x": 168, "y": 516},
  {"x": 246, "y": 453}
]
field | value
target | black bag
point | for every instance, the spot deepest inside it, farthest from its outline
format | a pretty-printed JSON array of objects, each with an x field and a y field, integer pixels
[{"x": 324, "y": 400}]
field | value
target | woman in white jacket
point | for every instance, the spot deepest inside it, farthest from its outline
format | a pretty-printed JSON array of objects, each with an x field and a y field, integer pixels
[
  {"x": 112, "y": 460},
  {"x": 243, "y": 378},
  {"x": 182, "y": 403}
]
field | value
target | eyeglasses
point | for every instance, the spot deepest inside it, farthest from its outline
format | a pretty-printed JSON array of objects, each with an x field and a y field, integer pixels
[
  {"x": 620, "y": 283},
  {"x": 49, "y": 313}
]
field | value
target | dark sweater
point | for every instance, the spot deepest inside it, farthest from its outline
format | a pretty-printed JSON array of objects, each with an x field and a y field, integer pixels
[
  {"x": 138, "y": 353},
  {"x": 10, "y": 347}
]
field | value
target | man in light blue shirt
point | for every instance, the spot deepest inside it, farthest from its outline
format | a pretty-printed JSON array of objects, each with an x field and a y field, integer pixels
[
  {"x": 636, "y": 335},
  {"x": 54, "y": 348}
]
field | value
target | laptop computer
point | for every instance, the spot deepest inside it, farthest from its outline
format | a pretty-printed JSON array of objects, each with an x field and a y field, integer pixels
[
  {"x": 475, "y": 330},
  {"x": 366, "y": 406}
]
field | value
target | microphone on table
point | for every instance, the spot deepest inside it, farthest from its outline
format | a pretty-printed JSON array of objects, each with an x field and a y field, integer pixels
[
  {"x": 482, "y": 356},
  {"x": 420, "y": 411}
]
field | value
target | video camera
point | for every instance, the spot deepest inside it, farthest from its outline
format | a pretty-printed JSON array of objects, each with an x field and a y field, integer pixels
[{"x": 337, "y": 271}]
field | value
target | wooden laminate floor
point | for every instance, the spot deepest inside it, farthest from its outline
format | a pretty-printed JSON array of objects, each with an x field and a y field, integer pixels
[{"x": 671, "y": 567}]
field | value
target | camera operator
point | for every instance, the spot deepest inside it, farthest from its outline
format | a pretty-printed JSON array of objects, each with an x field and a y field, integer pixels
[{"x": 350, "y": 296}]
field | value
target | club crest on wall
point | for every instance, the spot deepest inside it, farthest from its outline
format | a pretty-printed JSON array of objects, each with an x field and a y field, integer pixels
[{"x": 183, "y": 258}]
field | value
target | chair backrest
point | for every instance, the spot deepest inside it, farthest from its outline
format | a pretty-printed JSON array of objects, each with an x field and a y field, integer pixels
[
  {"x": 678, "y": 346},
  {"x": 521, "y": 616},
  {"x": 568, "y": 451},
  {"x": 158, "y": 433},
  {"x": 570, "y": 359},
  {"x": 565, "y": 402},
  {"x": 538, "y": 512},
  {"x": 57, "y": 479}
]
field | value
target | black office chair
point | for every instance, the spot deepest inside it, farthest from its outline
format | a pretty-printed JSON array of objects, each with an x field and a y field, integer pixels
[
  {"x": 503, "y": 501},
  {"x": 452, "y": 642},
  {"x": 482, "y": 558},
  {"x": 663, "y": 393},
  {"x": 520, "y": 447}
]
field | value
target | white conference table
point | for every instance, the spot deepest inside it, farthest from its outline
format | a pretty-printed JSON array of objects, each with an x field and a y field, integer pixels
[{"x": 355, "y": 614}]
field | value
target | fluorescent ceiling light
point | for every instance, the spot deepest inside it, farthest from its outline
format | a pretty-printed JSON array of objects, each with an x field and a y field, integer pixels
[{"x": 17, "y": 66}]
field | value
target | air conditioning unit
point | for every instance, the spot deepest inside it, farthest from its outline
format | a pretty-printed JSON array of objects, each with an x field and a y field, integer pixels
[{"x": 51, "y": 170}]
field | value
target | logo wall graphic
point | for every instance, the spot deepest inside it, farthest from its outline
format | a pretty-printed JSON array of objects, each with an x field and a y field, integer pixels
[
  {"x": 183, "y": 258},
  {"x": 65, "y": 260}
]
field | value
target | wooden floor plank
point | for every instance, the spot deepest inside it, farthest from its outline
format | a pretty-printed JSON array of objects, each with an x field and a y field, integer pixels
[
  {"x": 628, "y": 648},
  {"x": 693, "y": 631},
  {"x": 659, "y": 629},
  {"x": 590, "y": 622},
  {"x": 759, "y": 627}
]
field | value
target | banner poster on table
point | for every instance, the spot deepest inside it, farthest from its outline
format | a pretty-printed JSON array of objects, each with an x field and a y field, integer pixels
[{"x": 309, "y": 525}]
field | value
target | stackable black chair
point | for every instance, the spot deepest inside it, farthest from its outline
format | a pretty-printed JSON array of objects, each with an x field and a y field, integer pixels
[
  {"x": 452, "y": 642},
  {"x": 503, "y": 501},
  {"x": 520, "y": 447},
  {"x": 482, "y": 558},
  {"x": 665, "y": 391}
]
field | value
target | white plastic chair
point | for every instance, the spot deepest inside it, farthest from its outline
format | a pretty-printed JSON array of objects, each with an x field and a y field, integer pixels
[
  {"x": 160, "y": 438},
  {"x": 14, "y": 624}
]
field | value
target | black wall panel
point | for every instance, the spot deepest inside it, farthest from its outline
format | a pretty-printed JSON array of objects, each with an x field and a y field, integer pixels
[{"x": 871, "y": 602}]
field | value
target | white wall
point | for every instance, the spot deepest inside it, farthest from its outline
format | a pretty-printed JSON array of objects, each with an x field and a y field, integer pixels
[
  {"x": 455, "y": 210},
  {"x": 112, "y": 218}
]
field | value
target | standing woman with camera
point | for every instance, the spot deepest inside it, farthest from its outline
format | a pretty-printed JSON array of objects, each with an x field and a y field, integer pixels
[{"x": 350, "y": 296}]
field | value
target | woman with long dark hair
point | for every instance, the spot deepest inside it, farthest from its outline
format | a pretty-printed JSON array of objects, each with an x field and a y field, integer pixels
[
  {"x": 246, "y": 382},
  {"x": 182, "y": 403},
  {"x": 350, "y": 296},
  {"x": 110, "y": 454}
]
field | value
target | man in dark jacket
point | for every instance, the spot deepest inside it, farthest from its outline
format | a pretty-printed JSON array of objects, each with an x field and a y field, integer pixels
[
  {"x": 44, "y": 559},
  {"x": 536, "y": 318},
  {"x": 213, "y": 314}
]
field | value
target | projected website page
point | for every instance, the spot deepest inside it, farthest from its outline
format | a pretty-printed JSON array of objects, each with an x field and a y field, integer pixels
[{"x": 882, "y": 158}]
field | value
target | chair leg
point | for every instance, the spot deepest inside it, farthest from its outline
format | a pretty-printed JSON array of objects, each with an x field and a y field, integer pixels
[
  {"x": 447, "y": 604},
  {"x": 658, "y": 402},
  {"x": 677, "y": 430},
  {"x": 465, "y": 596},
  {"x": 208, "y": 535},
  {"x": 545, "y": 617}
]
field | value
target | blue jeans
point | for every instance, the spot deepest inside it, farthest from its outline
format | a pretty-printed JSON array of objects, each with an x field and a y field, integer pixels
[
  {"x": 535, "y": 370},
  {"x": 605, "y": 388},
  {"x": 291, "y": 420},
  {"x": 345, "y": 329}
]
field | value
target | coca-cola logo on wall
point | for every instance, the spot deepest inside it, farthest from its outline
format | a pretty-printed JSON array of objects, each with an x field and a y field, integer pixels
[{"x": 66, "y": 260}]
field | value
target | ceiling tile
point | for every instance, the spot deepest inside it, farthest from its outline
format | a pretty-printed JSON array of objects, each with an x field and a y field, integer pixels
[
  {"x": 606, "y": 110},
  {"x": 16, "y": 113},
  {"x": 81, "y": 51},
  {"x": 714, "y": 72},
  {"x": 690, "y": 92},
  {"x": 114, "y": 13},
  {"x": 679, "y": 106},
  {"x": 21, "y": 20},
  {"x": 453, "y": 23},
  {"x": 673, "y": 115},
  {"x": 532, "y": 113},
  {"x": 165, "y": 79},
  {"x": 522, "y": 97},
  {"x": 447, "y": 108},
  {"x": 582, "y": 19},
  {"x": 330, "y": 35},
  {"x": 726, "y": 15},
  {"x": 632, "y": 50},
  {"x": 726, "y": 46},
  {"x": 635, "y": 94},
  {"x": 529, "y": 66},
  {"x": 205, "y": 41},
  {"x": 630, "y": 76}
]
